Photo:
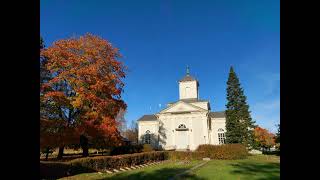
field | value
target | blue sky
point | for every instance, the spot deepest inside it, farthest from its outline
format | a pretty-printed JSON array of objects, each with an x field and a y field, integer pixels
[{"x": 158, "y": 39}]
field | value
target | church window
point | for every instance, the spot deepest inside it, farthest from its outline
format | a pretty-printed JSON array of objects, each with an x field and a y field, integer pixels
[
  {"x": 182, "y": 126},
  {"x": 187, "y": 90},
  {"x": 221, "y": 136},
  {"x": 147, "y": 139}
]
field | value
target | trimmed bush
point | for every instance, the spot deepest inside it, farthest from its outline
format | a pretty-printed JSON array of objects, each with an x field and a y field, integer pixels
[
  {"x": 55, "y": 170},
  {"x": 111, "y": 162},
  {"x": 185, "y": 155},
  {"x": 147, "y": 148},
  {"x": 225, "y": 151},
  {"x": 99, "y": 163}
]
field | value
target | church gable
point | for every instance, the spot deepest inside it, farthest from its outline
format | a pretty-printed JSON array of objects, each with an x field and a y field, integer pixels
[{"x": 181, "y": 106}]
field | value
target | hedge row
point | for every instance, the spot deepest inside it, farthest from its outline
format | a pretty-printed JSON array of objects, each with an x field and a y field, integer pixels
[
  {"x": 185, "y": 155},
  {"x": 56, "y": 170},
  {"x": 226, "y": 151},
  {"x": 130, "y": 149},
  {"x": 102, "y": 163},
  {"x": 111, "y": 162},
  {"x": 99, "y": 163}
]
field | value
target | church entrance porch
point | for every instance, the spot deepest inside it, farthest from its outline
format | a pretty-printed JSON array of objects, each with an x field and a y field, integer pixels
[{"x": 182, "y": 138}]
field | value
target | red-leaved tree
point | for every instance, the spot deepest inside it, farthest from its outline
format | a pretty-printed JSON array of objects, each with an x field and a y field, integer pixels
[
  {"x": 263, "y": 138},
  {"x": 85, "y": 89}
]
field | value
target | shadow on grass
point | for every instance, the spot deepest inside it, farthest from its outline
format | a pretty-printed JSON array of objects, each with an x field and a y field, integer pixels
[
  {"x": 263, "y": 171},
  {"x": 160, "y": 174}
]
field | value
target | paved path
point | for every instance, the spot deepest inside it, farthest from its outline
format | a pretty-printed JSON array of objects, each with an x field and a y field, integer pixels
[{"x": 188, "y": 171}]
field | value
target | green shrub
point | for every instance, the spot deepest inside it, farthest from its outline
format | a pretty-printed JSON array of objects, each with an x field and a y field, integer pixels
[
  {"x": 99, "y": 163},
  {"x": 185, "y": 155},
  {"x": 111, "y": 162},
  {"x": 55, "y": 170},
  {"x": 147, "y": 148},
  {"x": 225, "y": 151}
]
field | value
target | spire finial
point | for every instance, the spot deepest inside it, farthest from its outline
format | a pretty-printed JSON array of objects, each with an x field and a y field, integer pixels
[{"x": 188, "y": 70}]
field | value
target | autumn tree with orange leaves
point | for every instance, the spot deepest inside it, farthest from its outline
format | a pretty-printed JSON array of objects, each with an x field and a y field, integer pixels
[
  {"x": 263, "y": 138},
  {"x": 84, "y": 93}
]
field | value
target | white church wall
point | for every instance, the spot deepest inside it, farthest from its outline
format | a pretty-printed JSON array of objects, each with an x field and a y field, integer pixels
[
  {"x": 217, "y": 123},
  {"x": 144, "y": 126},
  {"x": 188, "y": 89},
  {"x": 170, "y": 122},
  {"x": 199, "y": 130},
  {"x": 166, "y": 132},
  {"x": 203, "y": 105},
  {"x": 196, "y": 123}
]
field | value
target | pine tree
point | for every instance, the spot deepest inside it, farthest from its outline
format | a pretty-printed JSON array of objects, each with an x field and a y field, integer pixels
[{"x": 239, "y": 124}]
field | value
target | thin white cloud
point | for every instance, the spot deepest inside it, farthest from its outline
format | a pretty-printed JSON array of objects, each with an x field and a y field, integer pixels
[
  {"x": 270, "y": 105},
  {"x": 270, "y": 82},
  {"x": 267, "y": 114}
]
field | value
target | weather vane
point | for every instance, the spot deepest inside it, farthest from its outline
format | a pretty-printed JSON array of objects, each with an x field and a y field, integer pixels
[{"x": 188, "y": 71}]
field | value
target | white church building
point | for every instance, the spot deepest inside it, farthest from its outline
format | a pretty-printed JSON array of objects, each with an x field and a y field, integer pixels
[{"x": 184, "y": 124}]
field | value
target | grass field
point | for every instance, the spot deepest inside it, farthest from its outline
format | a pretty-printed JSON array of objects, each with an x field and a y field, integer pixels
[
  {"x": 254, "y": 168},
  {"x": 156, "y": 172}
]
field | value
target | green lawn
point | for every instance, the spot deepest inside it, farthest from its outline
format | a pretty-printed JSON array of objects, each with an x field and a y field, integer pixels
[
  {"x": 154, "y": 172},
  {"x": 255, "y": 167}
]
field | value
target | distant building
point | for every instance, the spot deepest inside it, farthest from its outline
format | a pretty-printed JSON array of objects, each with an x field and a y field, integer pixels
[{"x": 184, "y": 124}]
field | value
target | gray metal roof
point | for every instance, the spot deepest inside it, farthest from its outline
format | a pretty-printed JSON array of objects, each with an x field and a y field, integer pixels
[
  {"x": 219, "y": 114},
  {"x": 148, "y": 117}
]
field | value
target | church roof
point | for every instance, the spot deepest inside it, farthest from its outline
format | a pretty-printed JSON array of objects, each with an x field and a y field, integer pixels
[
  {"x": 191, "y": 100},
  {"x": 148, "y": 117},
  {"x": 152, "y": 117},
  {"x": 219, "y": 114},
  {"x": 187, "y": 78}
]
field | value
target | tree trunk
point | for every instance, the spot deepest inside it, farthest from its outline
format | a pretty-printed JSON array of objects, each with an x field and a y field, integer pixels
[
  {"x": 47, "y": 153},
  {"x": 84, "y": 146},
  {"x": 60, "y": 154}
]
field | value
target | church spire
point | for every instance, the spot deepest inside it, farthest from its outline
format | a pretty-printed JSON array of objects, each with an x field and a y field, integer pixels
[{"x": 188, "y": 73}]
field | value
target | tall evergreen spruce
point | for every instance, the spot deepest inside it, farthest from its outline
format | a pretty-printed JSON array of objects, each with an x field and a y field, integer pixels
[{"x": 239, "y": 124}]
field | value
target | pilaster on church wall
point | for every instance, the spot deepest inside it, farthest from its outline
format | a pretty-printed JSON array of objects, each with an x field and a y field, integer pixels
[{"x": 198, "y": 129}]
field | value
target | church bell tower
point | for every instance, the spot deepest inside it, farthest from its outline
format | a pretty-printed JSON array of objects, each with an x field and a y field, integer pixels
[{"x": 188, "y": 87}]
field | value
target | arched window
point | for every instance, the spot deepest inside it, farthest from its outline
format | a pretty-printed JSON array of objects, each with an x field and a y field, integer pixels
[
  {"x": 221, "y": 136},
  {"x": 182, "y": 126},
  {"x": 147, "y": 138}
]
